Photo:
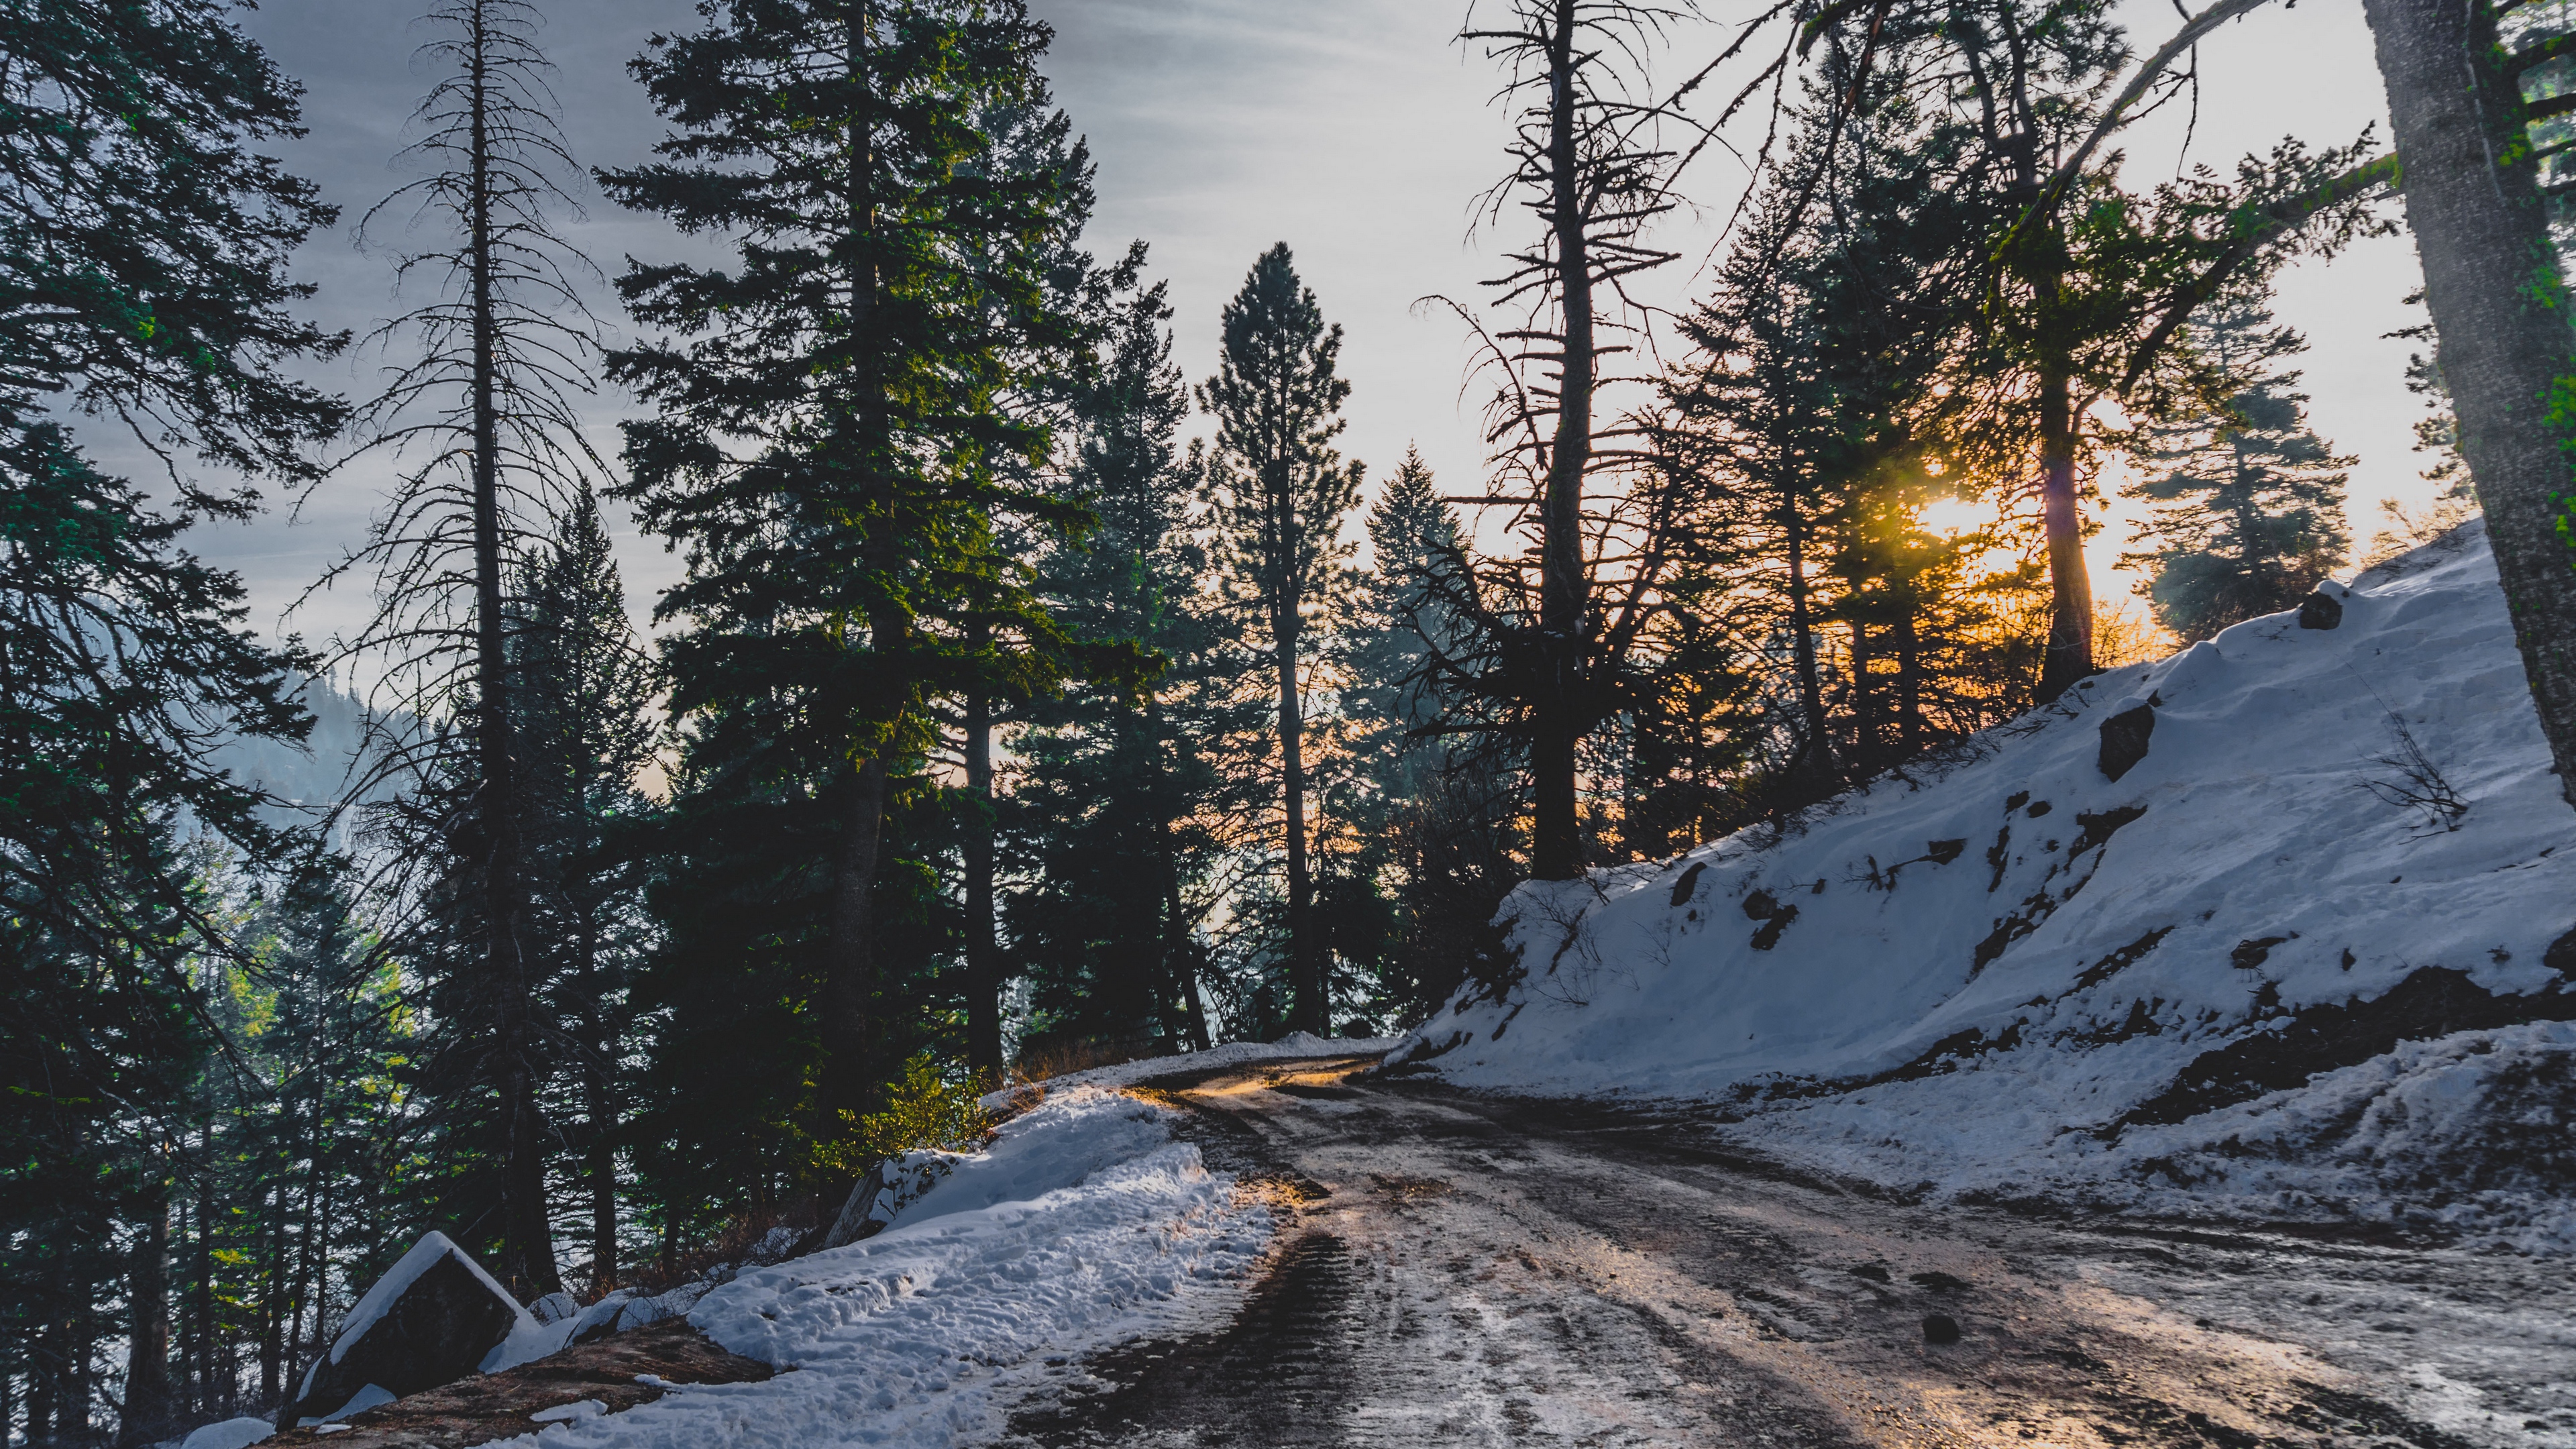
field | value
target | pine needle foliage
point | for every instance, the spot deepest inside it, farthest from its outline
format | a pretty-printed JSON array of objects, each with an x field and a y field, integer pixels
[{"x": 834, "y": 445}]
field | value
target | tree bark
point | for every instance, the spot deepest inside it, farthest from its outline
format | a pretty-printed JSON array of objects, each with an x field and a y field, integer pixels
[
  {"x": 2070, "y": 582},
  {"x": 1308, "y": 1009},
  {"x": 2499, "y": 306},
  {"x": 1556, "y": 842},
  {"x": 147, "y": 1372},
  {"x": 849, "y": 993},
  {"x": 983, "y": 966},
  {"x": 527, "y": 1236}
]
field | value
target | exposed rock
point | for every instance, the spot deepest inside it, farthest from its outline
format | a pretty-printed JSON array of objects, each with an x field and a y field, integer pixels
[
  {"x": 429, "y": 1321},
  {"x": 1689, "y": 882},
  {"x": 2124, "y": 739},
  {"x": 1769, "y": 935},
  {"x": 862, "y": 1216},
  {"x": 2434, "y": 1001},
  {"x": 555, "y": 1307},
  {"x": 1940, "y": 1328},
  {"x": 2320, "y": 610},
  {"x": 486, "y": 1408}
]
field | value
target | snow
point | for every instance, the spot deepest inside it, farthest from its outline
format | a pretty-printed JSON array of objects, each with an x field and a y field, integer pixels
[
  {"x": 367, "y": 1397},
  {"x": 1123, "y": 1074},
  {"x": 2070, "y": 958},
  {"x": 230, "y": 1434},
  {"x": 1081, "y": 1225},
  {"x": 521, "y": 1346}
]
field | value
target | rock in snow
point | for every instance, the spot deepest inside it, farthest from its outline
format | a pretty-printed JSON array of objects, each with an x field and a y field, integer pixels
[
  {"x": 434, "y": 1318},
  {"x": 2231, "y": 964}
]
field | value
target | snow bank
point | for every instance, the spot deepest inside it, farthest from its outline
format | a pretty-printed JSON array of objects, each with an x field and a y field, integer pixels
[
  {"x": 1236, "y": 1053},
  {"x": 230, "y": 1434},
  {"x": 2045, "y": 966},
  {"x": 1084, "y": 1224}
]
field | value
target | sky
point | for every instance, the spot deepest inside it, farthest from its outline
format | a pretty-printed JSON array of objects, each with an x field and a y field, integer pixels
[{"x": 1357, "y": 131}]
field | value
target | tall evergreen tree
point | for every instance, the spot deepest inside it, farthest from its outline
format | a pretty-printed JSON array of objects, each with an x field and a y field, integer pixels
[
  {"x": 1122, "y": 796},
  {"x": 832, "y": 443},
  {"x": 486, "y": 395},
  {"x": 2250, "y": 517},
  {"x": 1280, "y": 492},
  {"x": 1434, "y": 849},
  {"x": 143, "y": 250},
  {"x": 586, "y": 733}
]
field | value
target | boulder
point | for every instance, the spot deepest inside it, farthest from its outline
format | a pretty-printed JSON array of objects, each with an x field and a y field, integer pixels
[
  {"x": 431, "y": 1320},
  {"x": 2320, "y": 610},
  {"x": 2124, "y": 739}
]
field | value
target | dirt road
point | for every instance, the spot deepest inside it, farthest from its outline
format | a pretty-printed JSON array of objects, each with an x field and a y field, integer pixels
[{"x": 1472, "y": 1271}]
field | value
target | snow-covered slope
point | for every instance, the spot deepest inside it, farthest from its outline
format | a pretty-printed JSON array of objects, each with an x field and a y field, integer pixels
[
  {"x": 1083, "y": 1225},
  {"x": 2051, "y": 965}
]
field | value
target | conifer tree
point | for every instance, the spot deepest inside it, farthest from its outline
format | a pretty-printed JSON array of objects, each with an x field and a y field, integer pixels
[
  {"x": 1433, "y": 822},
  {"x": 2250, "y": 516},
  {"x": 1279, "y": 493},
  {"x": 1122, "y": 796},
  {"x": 586, "y": 733},
  {"x": 832, "y": 443},
  {"x": 143, "y": 285}
]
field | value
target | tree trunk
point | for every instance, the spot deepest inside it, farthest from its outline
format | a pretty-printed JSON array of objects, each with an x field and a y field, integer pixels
[
  {"x": 2499, "y": 307},
  {"x": 983, "y": 966},
  {"x": 2070, "y": 583},
  {"x": 1909, "y": 684},
  {"x": 1815, "y": 757},
  {"x": 848, "y": 1026},
  {"x": 147, "y": 1372},
  {"x": 1307, "y": 1007},
  {"x": 272, "y": 1318},
  {"x": 849, "y": 992},
  {"x": 528, "y": 1238},
  {"x": 599, "y": 1103},
  {"x": 1865, "y": 750},
  {"x": 1556, "y": 841}
]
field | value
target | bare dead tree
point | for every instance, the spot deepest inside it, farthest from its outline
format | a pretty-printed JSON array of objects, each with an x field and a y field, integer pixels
[
  {"x": 1552, "y": 630},
  {"x": 481, "y": 411}
]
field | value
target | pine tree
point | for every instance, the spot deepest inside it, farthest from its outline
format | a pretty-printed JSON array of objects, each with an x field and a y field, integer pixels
[
  {"x": 586, "y": 733},
  {"x": 1279, "y": 493},
  {"x": 143, "y": 250},
  {"x": 2250, "y": 516},
  {"x": 1399, "y": 623},
  {"x": 833, "y": 443},
  {"x": 1434, "y": 846},
  {"x": 1121, "y": 789}
]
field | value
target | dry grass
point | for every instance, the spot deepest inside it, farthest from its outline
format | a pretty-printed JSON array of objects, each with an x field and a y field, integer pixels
[{"x": 1052, "y": 1059}]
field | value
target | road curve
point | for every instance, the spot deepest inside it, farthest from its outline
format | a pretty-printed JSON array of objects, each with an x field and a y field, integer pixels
[{"x": 1480, "y": 1271}]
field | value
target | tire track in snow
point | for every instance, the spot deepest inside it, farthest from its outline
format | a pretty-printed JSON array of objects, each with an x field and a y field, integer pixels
[{"x": 1477, "y": 1271}]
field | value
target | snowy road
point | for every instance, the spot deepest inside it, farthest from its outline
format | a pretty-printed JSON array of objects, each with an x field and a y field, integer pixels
[{"x": 1475, "y": 1271}]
